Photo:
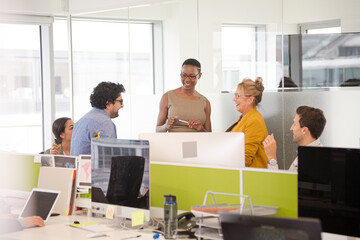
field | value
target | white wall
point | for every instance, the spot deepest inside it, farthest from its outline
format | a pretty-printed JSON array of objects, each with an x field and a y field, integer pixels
[{"x": 347, "y": 11}]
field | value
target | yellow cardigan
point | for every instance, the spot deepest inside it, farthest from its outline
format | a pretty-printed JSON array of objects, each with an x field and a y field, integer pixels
[{"x": 254, "y": 128}]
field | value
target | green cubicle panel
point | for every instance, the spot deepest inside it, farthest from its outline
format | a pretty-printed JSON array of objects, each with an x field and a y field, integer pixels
[
  {"x": 272, "y": 189},
  {"x": 18, "y": 172},
  {"x": 189, "y": 184}
]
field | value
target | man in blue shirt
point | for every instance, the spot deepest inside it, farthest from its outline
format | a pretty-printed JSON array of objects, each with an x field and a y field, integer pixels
[{"x": 106, "y": 101}]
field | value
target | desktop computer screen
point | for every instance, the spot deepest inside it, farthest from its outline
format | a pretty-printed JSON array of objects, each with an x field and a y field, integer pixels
[
  {"x": 217, "y": 150},
  {"x": 120, "y": 176},
  {"x": 237, "y": 227},
  {"x": 329, "y": 188}
]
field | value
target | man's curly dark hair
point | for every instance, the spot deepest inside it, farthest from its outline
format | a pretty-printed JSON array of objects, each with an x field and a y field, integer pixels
[{"x": 105, "y": 92}]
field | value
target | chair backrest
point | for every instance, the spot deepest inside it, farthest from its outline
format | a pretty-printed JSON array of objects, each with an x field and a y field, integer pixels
[{"x": 125, "y": 180}]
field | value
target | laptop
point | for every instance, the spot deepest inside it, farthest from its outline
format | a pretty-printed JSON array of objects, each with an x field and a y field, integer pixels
[
  {"x": 40, "y": 203},
  {"x": 235, "y": 226}
]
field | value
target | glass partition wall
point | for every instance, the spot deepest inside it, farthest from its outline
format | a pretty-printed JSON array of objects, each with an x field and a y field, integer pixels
[
  {"x": 320, "y": 56},
  {"x": 306, "y": 52},
  {"x": 234, "y": 40}
]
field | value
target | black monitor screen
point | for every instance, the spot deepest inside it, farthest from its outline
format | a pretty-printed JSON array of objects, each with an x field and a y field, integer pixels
[
  {"x": 237, "y": 227},
  {"x": 120, "y": 172},
  {"x": 329, "y": 188}
]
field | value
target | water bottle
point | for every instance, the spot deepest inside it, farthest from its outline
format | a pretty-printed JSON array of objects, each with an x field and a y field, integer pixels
[{"x": 170, "y": 216}]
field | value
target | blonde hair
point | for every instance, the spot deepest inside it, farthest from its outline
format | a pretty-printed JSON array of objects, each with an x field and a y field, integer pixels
[{"x": 252, "y": 88}]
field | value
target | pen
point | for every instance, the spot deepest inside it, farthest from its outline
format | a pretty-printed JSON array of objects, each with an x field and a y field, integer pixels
[
  {"x": 136, "y": 236},
  {"x": 183, "y": 121}
]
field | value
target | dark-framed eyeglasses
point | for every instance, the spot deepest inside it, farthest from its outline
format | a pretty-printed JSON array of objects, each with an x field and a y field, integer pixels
[
  {"x": 192, "y": 77},
  {"x": 120, "y": 101}
]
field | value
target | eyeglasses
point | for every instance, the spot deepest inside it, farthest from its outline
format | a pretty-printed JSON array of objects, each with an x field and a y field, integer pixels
[
  {"x": 236, "y": 95},
  {"x": 120, "y": 101},
  {"x": 192, "y": 77}
]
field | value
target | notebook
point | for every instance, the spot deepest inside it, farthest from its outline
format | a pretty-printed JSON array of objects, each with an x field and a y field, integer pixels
[{"x": 40, "y": 203}]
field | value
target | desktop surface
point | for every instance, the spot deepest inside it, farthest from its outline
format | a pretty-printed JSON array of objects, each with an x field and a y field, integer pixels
[{"x": 57, "y": 228}]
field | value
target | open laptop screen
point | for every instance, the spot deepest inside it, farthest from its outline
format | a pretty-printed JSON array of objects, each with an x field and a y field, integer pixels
[{"x": 40, "y": 203}]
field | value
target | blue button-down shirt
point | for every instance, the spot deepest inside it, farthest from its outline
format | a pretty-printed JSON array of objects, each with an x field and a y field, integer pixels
[{"x": 97, "y": 120}]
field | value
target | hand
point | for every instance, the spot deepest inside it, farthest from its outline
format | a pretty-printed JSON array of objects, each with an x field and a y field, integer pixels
[
  {"x": 196, "y": 124},
  {"x": 171, "y": 122},
  {"x": 55, "y": 149},
  {"x": 270, "y": 147},
  {"x": 33, "y": 221}
]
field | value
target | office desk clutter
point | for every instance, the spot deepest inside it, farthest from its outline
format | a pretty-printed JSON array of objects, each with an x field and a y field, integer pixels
[
  {"x": 255, "y": 192},
  {"x": 208, "y": 215}
]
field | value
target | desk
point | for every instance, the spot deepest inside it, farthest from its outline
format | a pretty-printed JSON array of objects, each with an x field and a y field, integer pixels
[{"x": 58, "y": 228}]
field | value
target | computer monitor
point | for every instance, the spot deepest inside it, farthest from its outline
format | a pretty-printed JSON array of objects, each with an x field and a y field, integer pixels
[
  {"x": 237, "y": 227},
  {"x": 329, "y": 188},
  {"x": 120, "y": 176},
  {"x": 225, "y": 150}
]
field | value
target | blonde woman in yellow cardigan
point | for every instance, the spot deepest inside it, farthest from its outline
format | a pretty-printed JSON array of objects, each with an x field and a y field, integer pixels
[{"x": 247, "y": 96}]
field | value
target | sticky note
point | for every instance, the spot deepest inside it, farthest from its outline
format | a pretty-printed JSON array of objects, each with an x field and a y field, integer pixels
[
  {"x": 110, "y": 212},
  {"x": 37, "y": 159},
  {"x": 138, "y": 218}
]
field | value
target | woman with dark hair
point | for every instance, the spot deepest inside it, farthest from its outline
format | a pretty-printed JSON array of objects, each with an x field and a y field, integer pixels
[
  {"x": 247, "y": 96},
  {"x": 184, "y": 109},
  {"x": 62, "y": 129}
]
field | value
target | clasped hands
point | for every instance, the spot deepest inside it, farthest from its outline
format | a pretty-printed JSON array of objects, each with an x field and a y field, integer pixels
[{"x": 192, "y": 123}]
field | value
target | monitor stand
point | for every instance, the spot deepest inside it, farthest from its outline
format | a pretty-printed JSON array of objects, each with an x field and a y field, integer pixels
[{"x": 126, "y": 223}]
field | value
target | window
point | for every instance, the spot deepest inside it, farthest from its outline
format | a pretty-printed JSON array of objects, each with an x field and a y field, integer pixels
[
  {"x": 61, "y": 69},
  {"x": 243, "y": 53},
  {"x": 331, "y": 26},
  {"x": 116, "y": 51},
  {"x": 101, "y": 53},
  {"x": 325, "y": 60},
  {"x": 20, "y": 87}
]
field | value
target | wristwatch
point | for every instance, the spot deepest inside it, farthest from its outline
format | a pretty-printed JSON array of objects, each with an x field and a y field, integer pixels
[{"x": 272, "y": 162}]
